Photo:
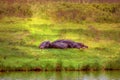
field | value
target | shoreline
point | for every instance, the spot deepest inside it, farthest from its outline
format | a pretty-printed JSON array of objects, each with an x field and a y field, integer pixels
[{"x": 40, "y": 70}]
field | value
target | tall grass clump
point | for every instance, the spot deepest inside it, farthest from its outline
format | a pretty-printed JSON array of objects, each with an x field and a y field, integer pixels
[
  {"x": 94, "y": 12},
  {"x": 15, "y": 9},
  {"x": 61, "y": 11}
]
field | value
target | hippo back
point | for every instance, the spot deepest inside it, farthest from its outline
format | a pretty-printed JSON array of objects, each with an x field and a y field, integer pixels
[
  {"x": 68, "y": 42},
  {"x": 59, "y": 45}
]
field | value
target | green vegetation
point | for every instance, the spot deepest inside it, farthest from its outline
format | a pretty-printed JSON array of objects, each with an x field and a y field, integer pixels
[
  {"x": 64, "y": 11},
  {"x": 96, "y": 25}
]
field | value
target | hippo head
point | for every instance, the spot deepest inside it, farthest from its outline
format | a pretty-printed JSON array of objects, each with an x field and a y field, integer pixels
[
  {"x": 44, "y": 45},
  {"x": 82, "y": 45}
]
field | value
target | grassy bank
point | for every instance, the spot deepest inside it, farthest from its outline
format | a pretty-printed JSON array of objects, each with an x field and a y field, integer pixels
[
  {"x": 20, "y": 39},
  {"x": 24, "y": 26}
]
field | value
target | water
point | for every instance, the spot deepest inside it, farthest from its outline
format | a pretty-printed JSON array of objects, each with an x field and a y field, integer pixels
[{"x": 82, "y": 75}]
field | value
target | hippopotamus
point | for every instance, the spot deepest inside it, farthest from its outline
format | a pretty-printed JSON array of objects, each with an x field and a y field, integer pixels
[{"x": 62, "y": 44}]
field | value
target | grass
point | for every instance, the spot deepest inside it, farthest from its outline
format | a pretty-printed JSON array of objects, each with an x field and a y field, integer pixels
[
  {"x": 20, "y": 38},
  {"x": 25, "y": 25},
  {"x": 63, "y": 11}
]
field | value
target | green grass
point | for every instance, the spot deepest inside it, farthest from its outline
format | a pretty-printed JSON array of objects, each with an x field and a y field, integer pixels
[
  {"x": 20, "y": 38},
  {"x": 25, "y": 25}
]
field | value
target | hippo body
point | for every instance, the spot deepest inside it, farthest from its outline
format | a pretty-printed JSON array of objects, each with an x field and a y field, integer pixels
[
  {"x": 59, "y": 45},
  {"x": 62, "y": 44},
  {"x": 68, "y": 42}
]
